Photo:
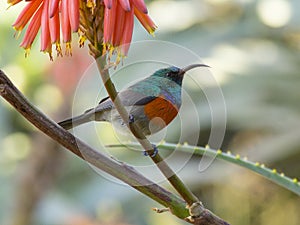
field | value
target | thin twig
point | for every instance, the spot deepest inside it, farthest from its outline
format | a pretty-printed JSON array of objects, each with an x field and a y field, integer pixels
[{"x": 183, "y": 190}]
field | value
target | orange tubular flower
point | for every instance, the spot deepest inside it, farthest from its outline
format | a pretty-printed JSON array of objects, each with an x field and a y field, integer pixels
[
  {"x": 44, "y": 15},
  {"x": 32, "y": 31},
  {"x": 118, "y": 23},
  {"x": 61, "y": 17}
]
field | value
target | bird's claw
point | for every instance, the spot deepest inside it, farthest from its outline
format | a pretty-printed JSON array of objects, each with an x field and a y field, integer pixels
[
  {"x": 155, "y": 151},
  {"x": 131, "y": 119}
]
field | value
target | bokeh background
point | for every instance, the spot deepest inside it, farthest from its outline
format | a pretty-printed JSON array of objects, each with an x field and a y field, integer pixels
[{"x": 253, "y": 49}]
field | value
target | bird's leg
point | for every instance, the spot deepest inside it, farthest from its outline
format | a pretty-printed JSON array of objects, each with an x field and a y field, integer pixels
[
  {"x": 145, "y": 153},
  {"x": 131, "y": 119},
  {"x": 155, "y": 151}
]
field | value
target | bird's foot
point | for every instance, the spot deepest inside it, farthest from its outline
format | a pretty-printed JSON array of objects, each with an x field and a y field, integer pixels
[
  {"x": 131, "y": 119},
  {"x": 155, "y": 151}
]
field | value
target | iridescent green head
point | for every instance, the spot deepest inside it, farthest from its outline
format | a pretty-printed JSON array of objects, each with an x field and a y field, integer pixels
[{"x": 174, "y": 73}]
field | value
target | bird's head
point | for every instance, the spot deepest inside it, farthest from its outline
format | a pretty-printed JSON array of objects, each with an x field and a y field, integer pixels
[{"x": 176, "y": 74}]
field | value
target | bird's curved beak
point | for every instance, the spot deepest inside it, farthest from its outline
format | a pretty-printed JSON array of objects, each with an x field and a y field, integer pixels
[{"x": 187, "y": 68}]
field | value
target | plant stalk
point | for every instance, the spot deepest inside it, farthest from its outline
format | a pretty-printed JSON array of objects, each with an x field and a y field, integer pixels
[{"x": 175, "y": 181}]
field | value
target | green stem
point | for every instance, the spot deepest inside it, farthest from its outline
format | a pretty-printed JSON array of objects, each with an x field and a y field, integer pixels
[{"x": 179, "y": 186}]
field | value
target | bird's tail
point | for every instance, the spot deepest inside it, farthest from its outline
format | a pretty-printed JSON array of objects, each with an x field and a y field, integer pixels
[{"x": 75, "y": 121}]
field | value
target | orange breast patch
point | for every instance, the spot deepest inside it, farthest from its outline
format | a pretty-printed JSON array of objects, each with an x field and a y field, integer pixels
[{"x": 161, "y": 108}]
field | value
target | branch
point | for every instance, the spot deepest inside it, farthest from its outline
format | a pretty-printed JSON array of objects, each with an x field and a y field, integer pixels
[
  {"x": 117, "y": 169},
  {"x": 183, "y": 190}
]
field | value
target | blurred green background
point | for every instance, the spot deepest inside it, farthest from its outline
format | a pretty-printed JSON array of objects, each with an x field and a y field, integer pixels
[{"x": 253, "y": 49}]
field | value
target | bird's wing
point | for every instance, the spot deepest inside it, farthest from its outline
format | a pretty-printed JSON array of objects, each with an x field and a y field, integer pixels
[
  {"x": 128, "y": 98},
  {"x": 145, "y": 100},
  {"x": 131, "y": 98}
]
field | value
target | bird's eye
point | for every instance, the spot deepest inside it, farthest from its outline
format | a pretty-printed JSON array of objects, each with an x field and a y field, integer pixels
[{"x": 168, "y": 74}]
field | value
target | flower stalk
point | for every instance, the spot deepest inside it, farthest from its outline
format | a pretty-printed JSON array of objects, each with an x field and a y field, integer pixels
[
  {"x": 101, "y": 60},
  {"x": 175, "y": 181}
]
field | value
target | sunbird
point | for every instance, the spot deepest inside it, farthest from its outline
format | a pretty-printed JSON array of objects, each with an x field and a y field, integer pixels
[{"x": 152, "y": 103}]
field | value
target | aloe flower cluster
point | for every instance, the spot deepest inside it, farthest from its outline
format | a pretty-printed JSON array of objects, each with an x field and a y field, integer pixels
[{"x": 58, "y": 19}]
